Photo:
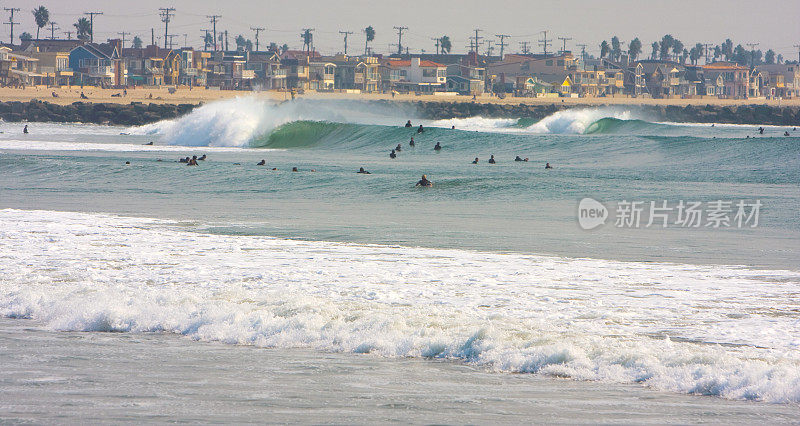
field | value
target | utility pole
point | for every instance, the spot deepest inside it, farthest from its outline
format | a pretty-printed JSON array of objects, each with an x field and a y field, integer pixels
[
  {"x": 91, "y": 24},
  {"x": 477, "y": 39},
  {"x": 798, "y": 52},
  {"x": 752, "y": 52},
  {"x": 166, "y": 13},
  {"x": 565, "y": 40},
  {"x": 400, "y": 39},
  {"x": 53, "y": 28},
  {"x": 524, "y": 45},
  {"x": 152, "y": 37},
  {"x": 123, "y": 34},
  {"x": 544, "y": 42},
  {"x": 503, "y": 44},
  {"x": 437, "y": 40},
  {"x": 171, "y": 38},
  {"x": 257, "y": 30},
  {"x": 69, "y": 34},
  {"x": 213, "y": 19},
  {"x": 307, "y": 46},
  {"x": 11, "y": 20},
  {"x": 345, "y": 34},
  {"x": 583, "y": 54},
  {"x": 489, "y": 48},
  {"x": 707, "y": 46},
  {"x": 185, "y": 40},
  {"x": 226, "y": 40}
]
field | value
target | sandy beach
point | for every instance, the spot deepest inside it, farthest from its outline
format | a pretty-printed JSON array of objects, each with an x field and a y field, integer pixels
[{"x": 184, "y": 95}]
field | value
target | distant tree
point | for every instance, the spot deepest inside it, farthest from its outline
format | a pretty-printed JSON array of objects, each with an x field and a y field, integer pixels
[
  {"x": 248, "y": 45},
  {"x": 695, "y": 53},
  {"x": 308, "y": 40},
  {"x": 370, "y": 33},
  {"x": 284, "y": 48},
  {"x": 769, "y": 57},
  {"x": 717, "y": 52},
  {"x": 665, "y": 46},
  {"x": 604, "y": 49},
  {"x": 740, "y": 55},
  {"x": 208, "y": 40},
  {"x": 241, "y": 42},
  {"x": 677, "y": 49},
  {"x": 656, "y": 48},
  {"x": 445, "y": 44},
  {"x": 42, "y": 17},
  {"x": 780, "y": 58},
  {"x": 684, "y": 56},
  {"x": 634, "y": 48},
  {"x": 83, "y": 28},
  {"x": 273, "y": 47},
  {"x": 756, "y": 57},
  {"x": 616, "y": 48},
  {"x": 137, "y": 42},
  {"x": 25, "y": 36},
  {"x": 727, "y": 50}
]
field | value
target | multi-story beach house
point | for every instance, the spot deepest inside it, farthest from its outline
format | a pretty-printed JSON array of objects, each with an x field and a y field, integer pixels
[
  {"x": 735, "y": 78},
  {"x": 99, "y": 64},
  {"x": 145, "y": 65},
  {"x": 555, "y": 70},
  {"x": 466, "y": 77},
  {"x": 417, "y": 75},
  {"x": 780, "y": 80},
  {"x": 17, "y": 69},
  {"x": 269, "y": 74}
]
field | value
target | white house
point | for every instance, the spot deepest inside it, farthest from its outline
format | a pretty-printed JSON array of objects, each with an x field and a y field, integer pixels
[{"x": 419, "y": 76}]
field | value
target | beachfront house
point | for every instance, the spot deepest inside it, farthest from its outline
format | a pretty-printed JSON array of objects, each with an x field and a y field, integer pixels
[
  {"x": 735, "y": 78},
  {"x": 17, "y": 69},
  {"x": 145, "y": 65},
  {"x": 357, "y": 73},
  {"x": 99, "y": 64},
  {"x": 555, "y": 70},
  {"x": 322, "y": 75},
  {"x": 466, "y": 79},
  {"x": 269, "y": 74},
  {"x": 780, "y": 80},
  {"x": 419, "y": 76}
]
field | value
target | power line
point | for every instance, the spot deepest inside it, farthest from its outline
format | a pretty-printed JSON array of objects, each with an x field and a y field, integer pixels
[
  {"x": 11, "y": 20},
  {"x": 798, "y": 52},
  {"x": 437, "y": 40},
  {"x": 400, "y": 39},
  {"x": 69, "y": 34},
  {"x": 476, "y": 39},
  {"x": 91, "y": 24},
  {"x": 166, "y": 13},
  {"x": 205, "y": 39},
  {"x": 257, "y": 30},
  {"x": 708, "y": 51},
  {"x": 583, "y": 54},
  {"x": 503, "y": 44},
  {"x": 171, "y": 38},
  {"x": 544, "y": 42},
  {"x": 213, "y": 19},
  {"x": 525, "y": 47},
  {"x": 345, "y": 34}
]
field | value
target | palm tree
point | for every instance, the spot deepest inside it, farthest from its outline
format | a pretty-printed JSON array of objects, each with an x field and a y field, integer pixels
[
  {"x": 284, "y": 48},
  {"x": 677, "y": 48},
  {"x": 42, "y": 17},
  {"x": 445, "y": 44},
  {"x": 616, "y": 49},
  {"x": 604, "y": 49},
  {"x": 137, "y": 42},
  {"x": 370, "y": 32},
  {"x": 656, "y": 48},
  {"x": 696, "y": 53},
  {"x": 25, "y": 36},
  {"x": 634, "y": 48},
  {"x": 84, "y": 29},
  {"x": 727, "y": 49},
  {"x": 769, "y": 57},
  {"x": 665, "y": 46}
]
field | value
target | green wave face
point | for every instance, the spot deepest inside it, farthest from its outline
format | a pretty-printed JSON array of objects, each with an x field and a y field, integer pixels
[{"x": 615, "y": 125}]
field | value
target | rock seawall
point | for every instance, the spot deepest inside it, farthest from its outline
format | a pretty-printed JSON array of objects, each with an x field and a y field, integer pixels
[{"x": 136, "y": 113}]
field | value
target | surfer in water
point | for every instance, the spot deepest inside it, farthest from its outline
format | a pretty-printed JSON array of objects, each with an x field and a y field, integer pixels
[
  {"x": 149, "y": 143},
  {"x": 420, "y": 129},
  {"x": 548, "y": 166},
  {"x": 392, "y": 154},
  {"x": 399, "y": 148},
  {"x": 412, "y": 142},
  {"x": 424, "y": 182},
  {"x": 408, "y": 124},
  {"x": 475, "y": 161},
  {"x": 760, "y": 130},
  {"x": 25, "y": 130},
  {"x": 361, "y": 171},
  {"x": 491, "y": 160},
  {"x": 262, "y": 163},
  {"x": 437, "y": 147},
  {"x": 203, "y": 158}
]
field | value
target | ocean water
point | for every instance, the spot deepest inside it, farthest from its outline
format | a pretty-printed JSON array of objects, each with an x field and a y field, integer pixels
[{"x": 489, "y": 269}]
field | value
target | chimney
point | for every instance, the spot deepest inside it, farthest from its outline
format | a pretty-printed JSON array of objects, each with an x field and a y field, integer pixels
[{"x": 415, "y": 62}]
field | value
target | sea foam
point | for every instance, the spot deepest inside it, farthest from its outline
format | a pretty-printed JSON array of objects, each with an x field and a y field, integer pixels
[{"x": 711, "y": 330}]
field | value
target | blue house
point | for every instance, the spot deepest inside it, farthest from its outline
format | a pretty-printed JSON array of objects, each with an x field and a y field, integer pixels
[{"x": 98, "y": 64}]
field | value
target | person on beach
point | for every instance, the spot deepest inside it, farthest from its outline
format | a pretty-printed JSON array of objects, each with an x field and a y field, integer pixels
[
  {"x": 491, "y": 160},
  {"x": 408, "y": 124},
  {"x": 361, "y": 171},
  {"x": 437, "y": 147},
  {"x": 475, "y": 161},
  {"x": 262, "y": 163},
  {"x": 25, "y": 130},
  {"x": 548, "y": 166},
  {"x": 412, "y": 142},
  {"x": 392, "y": 154},
  {"x": 420, "y": 129},
  {"x": 424, "y": 182}
]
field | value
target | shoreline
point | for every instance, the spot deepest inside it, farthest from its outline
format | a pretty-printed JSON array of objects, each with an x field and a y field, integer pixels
[{"x": 143, "y": 106}]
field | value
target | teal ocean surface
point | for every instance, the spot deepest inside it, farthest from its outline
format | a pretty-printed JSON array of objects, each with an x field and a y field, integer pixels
[{"x": 489, "y": 267}]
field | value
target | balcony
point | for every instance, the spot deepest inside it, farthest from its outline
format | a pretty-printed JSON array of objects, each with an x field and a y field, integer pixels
[{"x": 100, "y": 71}]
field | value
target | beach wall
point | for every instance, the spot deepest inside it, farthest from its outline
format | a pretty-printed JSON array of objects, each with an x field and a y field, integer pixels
[{"x": 137, "y": 113}]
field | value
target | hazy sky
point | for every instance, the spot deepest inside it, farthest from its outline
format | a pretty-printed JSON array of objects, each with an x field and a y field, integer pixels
[{"x": 772, "y": 23}]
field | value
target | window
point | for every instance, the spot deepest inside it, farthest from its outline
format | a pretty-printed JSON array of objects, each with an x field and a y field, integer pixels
[
  {"x": 427, "y": 72},
  {"x": 560, "y": 62},
  {"x": 548, "y": 63}
]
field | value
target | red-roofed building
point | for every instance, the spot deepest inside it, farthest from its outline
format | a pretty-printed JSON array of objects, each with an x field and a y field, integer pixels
[
  {"x": 735, "y": 78},
  {"x": 417, "y": 75}
]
